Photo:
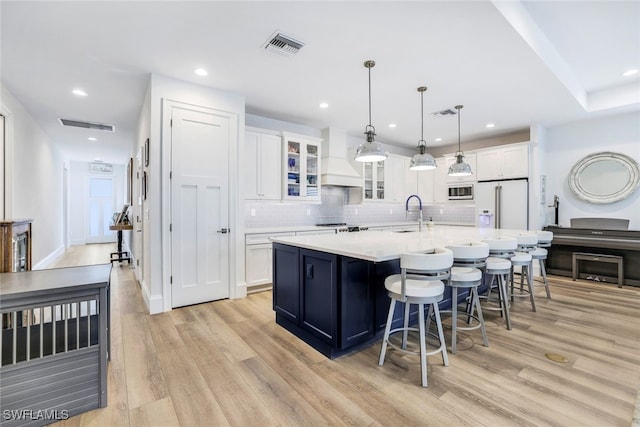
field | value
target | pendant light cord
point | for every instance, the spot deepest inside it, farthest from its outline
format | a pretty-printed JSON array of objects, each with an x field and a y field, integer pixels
[
  {"x": 459, "y": 107},
  {"x": 421, "y": 115},
  {"x": 369, "y": 96},
  {"x": 422, "y": 144},
  {"x": 370, "y": 131}
]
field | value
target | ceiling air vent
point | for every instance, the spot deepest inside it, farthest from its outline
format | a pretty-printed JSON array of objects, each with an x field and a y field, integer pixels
[
  {"x": 87, "y": 125},
  {"x": 283, "y": 45},
  {"x": 447, "y": 112},
  {"x": 100, "y": 167}
]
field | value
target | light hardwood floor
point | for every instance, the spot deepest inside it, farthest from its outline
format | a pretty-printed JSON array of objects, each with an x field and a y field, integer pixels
[{"x": 228, "y": 363}]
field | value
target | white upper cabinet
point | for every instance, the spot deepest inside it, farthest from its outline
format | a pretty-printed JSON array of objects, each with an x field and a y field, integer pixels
[
  {"x": 395, "y": 179},
  {"x": 505, "y": 162},
  {"x": 426, "y": 185},
  {"x": 470, "y": 159},
  {"x": 440, "y": 186},
  {"x": 410, "y": 180},
  {"x": 263, "y": 174},
  {"x": 301, "y": 168}
]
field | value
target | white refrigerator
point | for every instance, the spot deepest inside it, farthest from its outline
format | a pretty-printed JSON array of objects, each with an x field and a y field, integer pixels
[{"x": 508, "y": 201}]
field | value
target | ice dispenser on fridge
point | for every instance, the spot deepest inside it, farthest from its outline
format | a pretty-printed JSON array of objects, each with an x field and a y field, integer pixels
[{"x": 485, "y": 219}]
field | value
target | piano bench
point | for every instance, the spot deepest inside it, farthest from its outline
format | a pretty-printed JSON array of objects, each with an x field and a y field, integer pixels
[{"x": 581, "y": 256}]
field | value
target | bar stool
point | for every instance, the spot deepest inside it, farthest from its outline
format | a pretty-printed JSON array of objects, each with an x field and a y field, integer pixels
[
  {"x": 540, "y": 253},
  {"x": 527, "y": 242},
  {"x": 420, "y": 282},
  {"x": 468, "y": 259},
  {"x": 499, "y": 268}
]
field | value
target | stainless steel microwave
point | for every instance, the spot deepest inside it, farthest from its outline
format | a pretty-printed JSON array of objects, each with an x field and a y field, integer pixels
[{"x": 461, "y": 192}]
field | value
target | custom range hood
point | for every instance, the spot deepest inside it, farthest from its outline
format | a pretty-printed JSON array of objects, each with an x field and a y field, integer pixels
[{"x": 336, "y": 169}]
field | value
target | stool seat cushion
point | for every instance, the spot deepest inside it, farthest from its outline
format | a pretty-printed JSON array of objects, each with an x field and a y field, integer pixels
[
  {"x": 521, "y": 257},
  {"x": 465, "y": 274},
  {"x": 494, "y": 263},
  {"x": 539, "y": 253},
  {"x": 414, "y": 288}
]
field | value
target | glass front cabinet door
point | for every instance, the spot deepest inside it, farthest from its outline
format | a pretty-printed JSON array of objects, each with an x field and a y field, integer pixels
[
  {"x": 302, "y": 167},
  {"x": 374, "y": 180}
]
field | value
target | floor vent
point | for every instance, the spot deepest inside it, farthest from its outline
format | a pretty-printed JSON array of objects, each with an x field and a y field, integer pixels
[
  {"x": 282, "y": 45},
  {"x": 87, "y": 125}
]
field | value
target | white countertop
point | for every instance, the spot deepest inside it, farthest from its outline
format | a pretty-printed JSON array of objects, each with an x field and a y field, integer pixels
[
  {"x": 293, "y": 229},
  {"x": 380, "y": 246}
]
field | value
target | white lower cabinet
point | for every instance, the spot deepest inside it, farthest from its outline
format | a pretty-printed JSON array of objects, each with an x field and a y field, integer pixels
[{"x": 258, "y": 259}]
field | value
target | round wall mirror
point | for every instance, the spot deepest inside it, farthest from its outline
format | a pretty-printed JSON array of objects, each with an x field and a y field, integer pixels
[{"x": 604, "y": 177}]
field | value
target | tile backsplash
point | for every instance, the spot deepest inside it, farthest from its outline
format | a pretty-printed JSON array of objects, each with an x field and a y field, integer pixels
[{"x": 334, "y": 209}]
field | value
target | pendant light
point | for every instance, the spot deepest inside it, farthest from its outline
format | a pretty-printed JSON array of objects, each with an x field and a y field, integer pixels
[
  {"x": 422, "y": 161},
  {"x": 459, "y": 168},
  {"x": 370, "y": 150}
]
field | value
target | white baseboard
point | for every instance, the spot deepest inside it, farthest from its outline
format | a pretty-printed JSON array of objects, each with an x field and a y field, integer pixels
[
  {"x": 240, "y": 291},
  {"x": 49, "y": 259},
  {"x": 153, "y": 302}
]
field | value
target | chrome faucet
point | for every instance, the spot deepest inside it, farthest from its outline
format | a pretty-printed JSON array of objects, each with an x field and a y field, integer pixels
[{"x": 406, "y": 208}]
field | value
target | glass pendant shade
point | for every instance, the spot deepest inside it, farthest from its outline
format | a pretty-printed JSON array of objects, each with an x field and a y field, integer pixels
[
  {"x": 370, "y": 150},
  {"x": 459, "y": 168},
  {"x": 422, "y": 161}
]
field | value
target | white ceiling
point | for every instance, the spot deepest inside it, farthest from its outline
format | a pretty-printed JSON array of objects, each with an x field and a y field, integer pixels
[{"x": 510, "y": 63}]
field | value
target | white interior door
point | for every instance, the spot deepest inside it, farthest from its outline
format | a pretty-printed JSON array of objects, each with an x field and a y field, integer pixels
[
  {"x": 200, "y": 207},
  {"x": 100, "y": 209}
]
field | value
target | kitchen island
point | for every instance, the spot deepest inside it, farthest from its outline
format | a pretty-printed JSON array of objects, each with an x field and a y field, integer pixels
[{"x": 328, "y": 290}]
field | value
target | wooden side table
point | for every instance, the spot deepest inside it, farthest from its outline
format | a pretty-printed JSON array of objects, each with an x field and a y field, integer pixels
[{"x": 120, "y": 255}]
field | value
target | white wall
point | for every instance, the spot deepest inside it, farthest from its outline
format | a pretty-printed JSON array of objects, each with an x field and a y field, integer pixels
[
  {"x": 567, "y": 144},
  {"x": 34, "y": 181},
  {"x": 136, "y": 238}
]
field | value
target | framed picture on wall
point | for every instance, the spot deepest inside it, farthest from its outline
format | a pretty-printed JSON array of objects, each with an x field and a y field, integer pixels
[
  {"x": 129, "y": 196},
  {"x": 144, "y": 185},
  {"x": 146, "y": 152}
]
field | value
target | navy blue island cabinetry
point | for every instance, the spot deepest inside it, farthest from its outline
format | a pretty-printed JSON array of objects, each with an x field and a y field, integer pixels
[
  {"x": 328, "y": 290},
  {"x": 334, "y": 303}
]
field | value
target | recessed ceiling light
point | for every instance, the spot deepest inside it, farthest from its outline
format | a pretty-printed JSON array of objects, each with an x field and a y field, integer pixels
[
  {"x": 79, "y": 92},
  {"x": 438, "y": 139},
  {"x": 201, "y": 72},
  {"x": 490, "y": 125},
  {"x": 630, "y": 72},
  {"x": 324, "y": 105},
  {"x": 392, "y": 125},
  {"x": 92, "y": 138}
]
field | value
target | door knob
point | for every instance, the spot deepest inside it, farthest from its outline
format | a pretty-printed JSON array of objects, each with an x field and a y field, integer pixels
[{"x": 223, "y": 231}]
